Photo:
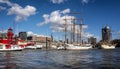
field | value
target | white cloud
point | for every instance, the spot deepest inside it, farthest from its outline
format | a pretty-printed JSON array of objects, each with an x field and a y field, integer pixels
[
  {"x": 6, "y": 2},
  {"x": 3, "y": 31},
  {"x": 57, "y": 20},
  {"x": 57, "y": 28},
  {"x": 21, "y": 13},
  {"x": 85, "y": 26},
  {"x": 118, "y": 32},
  {"x": 85, "y": 1},
  {"x": 66, "y": 11},
  {"x": 57, "y": 1},
  {"x": 87, "y": 35},
  {"x": 2, "y": 8},
  {"x": 30, "y": 33}
]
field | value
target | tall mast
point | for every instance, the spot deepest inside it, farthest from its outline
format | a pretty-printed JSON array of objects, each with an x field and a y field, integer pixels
[
  {"x": 71, "y": 28},
  {"x": 73, "y": 34},
  {"x": 65, "y": 29},
  {"x": 14, "y": 27},
  {"x": 77, "y": 34},
  {"x": 71, "y": 31},
  {"x": 81, "y": 32}
]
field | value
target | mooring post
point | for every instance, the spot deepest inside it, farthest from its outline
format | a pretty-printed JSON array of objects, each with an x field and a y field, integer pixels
[{"x": 46, "y": 43}]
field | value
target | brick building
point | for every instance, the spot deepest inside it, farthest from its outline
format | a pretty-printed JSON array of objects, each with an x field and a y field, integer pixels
[{"x": 39, "y": 38}]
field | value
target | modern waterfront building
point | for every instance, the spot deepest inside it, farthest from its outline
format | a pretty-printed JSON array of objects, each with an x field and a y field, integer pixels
[
  {"x": 106, "y": 34},
  {"x": 23, "y": 35}
]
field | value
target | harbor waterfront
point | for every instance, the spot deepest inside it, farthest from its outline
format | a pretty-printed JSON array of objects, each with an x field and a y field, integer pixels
[
  {"x": 59, "y": 34},
  {"x": 61, "y": 59}
]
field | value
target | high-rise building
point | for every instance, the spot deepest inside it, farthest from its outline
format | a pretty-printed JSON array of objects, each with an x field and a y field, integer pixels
[
  {"x": 23, "y": 35},
  {"x": 106, "y": 34}
]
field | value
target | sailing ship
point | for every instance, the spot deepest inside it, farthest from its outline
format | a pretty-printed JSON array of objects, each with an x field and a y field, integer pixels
[{"x": 80, "y": 45}]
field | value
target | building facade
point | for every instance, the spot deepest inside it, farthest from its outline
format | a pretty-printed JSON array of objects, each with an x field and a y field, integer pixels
[
  {"x": 23, "y": 35},
  {"x": 92, "y": 40},
  {"x": 39, "y": 39},
  {"x": 106, "y": 34},
  {"x": 3, "y": 35}
]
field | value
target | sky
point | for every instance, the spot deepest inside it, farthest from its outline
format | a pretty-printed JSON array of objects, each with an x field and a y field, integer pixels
[{"x": 43, "y": 17}]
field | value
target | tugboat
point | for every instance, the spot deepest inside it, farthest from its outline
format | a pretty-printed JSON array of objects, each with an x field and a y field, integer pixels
[{"x": 8, "y": 43}]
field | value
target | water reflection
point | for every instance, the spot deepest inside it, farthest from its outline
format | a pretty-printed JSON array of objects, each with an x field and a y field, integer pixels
[
  {"x": 54, "y": 59},
  {"x": 109, "y": 61},
  {"x": 6, "y": 61}
]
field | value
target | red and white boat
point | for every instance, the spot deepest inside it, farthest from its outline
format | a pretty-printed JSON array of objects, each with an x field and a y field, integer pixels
[
  {"x": 9, "y": 43},
  {"x": 5, "y": 47},
  {"x": 30, "y": 46}
]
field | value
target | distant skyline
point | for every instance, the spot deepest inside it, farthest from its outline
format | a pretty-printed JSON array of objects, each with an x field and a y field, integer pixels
[{"x": 44, "y": 17}]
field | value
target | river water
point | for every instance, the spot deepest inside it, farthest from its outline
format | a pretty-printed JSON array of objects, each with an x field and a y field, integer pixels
[{"x": 61, "y": 59}]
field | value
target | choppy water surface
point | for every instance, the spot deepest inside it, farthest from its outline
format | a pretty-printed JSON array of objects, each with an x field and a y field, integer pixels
[{"x": 60, "y": 59}]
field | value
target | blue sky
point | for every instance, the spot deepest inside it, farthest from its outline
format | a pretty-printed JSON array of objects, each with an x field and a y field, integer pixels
[{"x": 44, "y": 16}]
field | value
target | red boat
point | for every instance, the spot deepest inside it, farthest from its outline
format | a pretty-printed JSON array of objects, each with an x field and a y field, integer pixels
[{"x": 9, "y": 43}]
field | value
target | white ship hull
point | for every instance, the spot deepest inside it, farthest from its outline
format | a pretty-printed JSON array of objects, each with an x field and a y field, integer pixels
[
  {"x": 82, "y": 47},
  {"x": 30, "y": 47},
  {"x": 61, "y": 48},
  {"x": 38, "y": 46},
  {"x": 33, "y": 47},
  {"x": 108, "y": 46},
  {"x": 12, "y": 48},
  {"x": 54, "y": 47}
]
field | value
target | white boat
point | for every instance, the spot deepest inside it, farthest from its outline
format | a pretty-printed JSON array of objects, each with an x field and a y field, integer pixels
[
  {"x": 54, "y": 47},
  {"x": 38, "y": 46},
  {"x": 61, "y": 48},
  {"x": 30, "y": 47},
  {"x": 107, "y": 46},
  {"x": 5, "y": 47},
  {"x": 79, "y": 47}
]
